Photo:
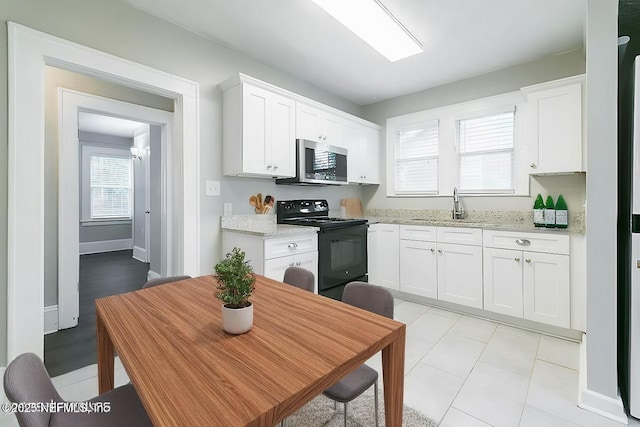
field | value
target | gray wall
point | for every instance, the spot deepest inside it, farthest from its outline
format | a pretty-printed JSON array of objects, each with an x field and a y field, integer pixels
[
  {"x": 238, "y": 190},
  {"x": 118, "y": 29},
  {"x": 491, "y": 84},
  {"x": 602, "y": 165}
]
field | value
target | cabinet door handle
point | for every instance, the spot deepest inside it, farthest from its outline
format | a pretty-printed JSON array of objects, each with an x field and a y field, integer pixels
[
  {"x": 275, "y": 166},
  {"x": 517, "y": 259},
  {"x": 320, "y": 137},
  {"x": 268, "y": 166},
  {"x": 439, "y": 251},
  {"x": 324, "y": 137},
  {"x": 528, "y": 261},
  {"x": 523, "y": 242},
  {"x": 432, "y": 250},
  {"x": 298, "y": 263},
  {"x": 292, "y": 245},
  {"x": 532, "y": 166}
]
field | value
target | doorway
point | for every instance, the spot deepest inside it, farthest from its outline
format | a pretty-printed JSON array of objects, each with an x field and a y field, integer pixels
[
  {"x": 29, "y": 52},
  {"x": 74, "y": 203}
]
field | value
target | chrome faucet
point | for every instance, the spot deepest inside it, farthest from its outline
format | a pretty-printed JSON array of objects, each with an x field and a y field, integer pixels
[{"x": 458, "y": 213}]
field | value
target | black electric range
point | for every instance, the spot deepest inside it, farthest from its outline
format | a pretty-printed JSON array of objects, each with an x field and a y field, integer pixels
[{"x": 342, "y": 243}]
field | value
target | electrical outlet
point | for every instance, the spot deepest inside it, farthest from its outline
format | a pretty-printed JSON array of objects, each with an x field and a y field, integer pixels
[{"x": 212, "y": 188}]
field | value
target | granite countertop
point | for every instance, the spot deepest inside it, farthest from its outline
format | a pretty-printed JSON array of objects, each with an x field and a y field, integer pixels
[
  {"x": 262, "y": 225},
  {"x": 488, "y": 220},
  {"x": 265, "y": 225}
]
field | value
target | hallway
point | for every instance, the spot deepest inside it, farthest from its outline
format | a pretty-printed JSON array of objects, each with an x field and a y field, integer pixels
[{"x": 101, "y": 275}]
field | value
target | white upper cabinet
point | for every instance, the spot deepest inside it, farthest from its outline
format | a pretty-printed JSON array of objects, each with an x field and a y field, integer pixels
[
  {"x": 363, "y": 143},
  {"x": 317, "y": 125},
  {"x": 554, "y": 127},
  {"x": 261, "y": 123},
  {"x": 258, "y": 132}
]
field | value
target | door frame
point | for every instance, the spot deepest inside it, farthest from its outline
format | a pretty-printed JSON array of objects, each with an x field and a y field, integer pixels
[
  {"x": 70, "y": 104},
  {"x": 29, "y": 51}
]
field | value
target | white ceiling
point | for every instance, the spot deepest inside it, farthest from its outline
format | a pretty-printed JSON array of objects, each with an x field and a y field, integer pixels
[
  {"x": 106, "y": 125},
  {"x": 461, "y": 39}
]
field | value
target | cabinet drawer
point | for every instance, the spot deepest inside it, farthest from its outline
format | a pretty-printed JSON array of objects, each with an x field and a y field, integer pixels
[
  {"x": 291, "y": 245},
  {"x": 531, "y": 242},
  {"x": 462, "y": 236},
  {"x": 418, "y": 232}
]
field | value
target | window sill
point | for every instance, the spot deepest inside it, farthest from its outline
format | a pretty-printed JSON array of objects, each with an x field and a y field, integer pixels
[{"x": 102, "y": 222}]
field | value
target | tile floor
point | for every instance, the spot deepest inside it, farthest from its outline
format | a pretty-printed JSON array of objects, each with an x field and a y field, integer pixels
[{"x": 460, "y": 371}]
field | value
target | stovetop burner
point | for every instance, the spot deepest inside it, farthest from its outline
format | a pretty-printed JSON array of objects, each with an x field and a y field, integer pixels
[{"x": 311, "y": 213}]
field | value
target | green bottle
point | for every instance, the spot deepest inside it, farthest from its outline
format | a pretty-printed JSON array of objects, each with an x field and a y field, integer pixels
[
  {"x": 549, "y": 213},
  {"x": 562, "y": 214},
  {"x": 538, "y": 212}
]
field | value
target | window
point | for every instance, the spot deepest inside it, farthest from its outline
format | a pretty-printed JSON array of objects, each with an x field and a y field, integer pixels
[
  {"x": 486, "y": 153},
  {"x": 106, "y": 184},
  {"x": 416, "y": 158}
]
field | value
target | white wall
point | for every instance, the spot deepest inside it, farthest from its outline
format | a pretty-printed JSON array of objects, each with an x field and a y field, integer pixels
[{"x": 572, "y": 187}]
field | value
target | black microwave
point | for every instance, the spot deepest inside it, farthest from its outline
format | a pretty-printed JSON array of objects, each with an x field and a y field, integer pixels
[{"x": 318, "y": 163}]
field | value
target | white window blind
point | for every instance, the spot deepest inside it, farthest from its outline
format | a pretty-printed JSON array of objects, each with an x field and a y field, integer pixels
[
  {"x": 486, "y": 155},
  {"x": 110, "y": 179},
  {"x": 416, "y": 157}
]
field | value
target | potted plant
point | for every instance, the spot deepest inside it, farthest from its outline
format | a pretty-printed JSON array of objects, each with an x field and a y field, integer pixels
[{"x": 235, "y": 285}]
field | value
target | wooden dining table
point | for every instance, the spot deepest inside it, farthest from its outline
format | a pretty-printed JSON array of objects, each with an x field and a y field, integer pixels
[{"x": 188, "y": 372}]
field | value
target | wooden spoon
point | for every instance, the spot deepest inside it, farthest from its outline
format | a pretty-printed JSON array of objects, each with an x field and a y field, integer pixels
[{"x": 253, "y": 201}]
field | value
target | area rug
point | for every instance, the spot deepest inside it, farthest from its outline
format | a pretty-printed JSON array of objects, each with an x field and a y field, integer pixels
[{"x": 320, "y": 412}]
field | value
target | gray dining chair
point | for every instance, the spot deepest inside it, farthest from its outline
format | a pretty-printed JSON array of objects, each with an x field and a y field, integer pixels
[
  {"x": 300, "y": 278},
  {"x": 377, "y": 300},
  {"x": 26, "y": 380},
  {"x": 162, "y": 280}
]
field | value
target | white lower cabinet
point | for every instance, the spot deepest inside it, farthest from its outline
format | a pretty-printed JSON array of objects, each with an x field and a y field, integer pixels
[
  {"x": 546, "y": 289},
  {"x": 272, "y": 255},
  {"x": 443, "y": 263},
  {"x": 503, "y": 281},
  {"x": 274, "y": 268},
  {"x": 524, "y": 275},
  {"x": 418, "y": 268},
  {"x": 460, "y": 274},
  {"x": 385, "y": 257},
  {"x": 527, "y": 275}
]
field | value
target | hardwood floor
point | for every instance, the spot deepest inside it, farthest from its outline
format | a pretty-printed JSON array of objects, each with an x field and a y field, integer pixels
[{"x": 101, "y": 275}]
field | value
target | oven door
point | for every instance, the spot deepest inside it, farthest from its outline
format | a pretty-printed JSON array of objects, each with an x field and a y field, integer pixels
[{"x": 342, "y": 255}]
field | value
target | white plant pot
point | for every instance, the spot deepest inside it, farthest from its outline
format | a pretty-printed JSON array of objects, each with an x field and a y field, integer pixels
[{"x": 237, "y": 320}]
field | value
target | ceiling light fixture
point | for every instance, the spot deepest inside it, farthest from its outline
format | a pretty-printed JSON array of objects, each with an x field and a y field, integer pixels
[{"x": 373, "y": 23}]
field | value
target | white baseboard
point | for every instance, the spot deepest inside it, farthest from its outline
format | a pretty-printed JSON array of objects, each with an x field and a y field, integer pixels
[
  {"x": 51, "y": 319},
  {"x": 105, "y": 246},
  {"x": 153, "y": 275},
  {"x": 139, "y": 253},
  {"x": 609, "y": 407}
]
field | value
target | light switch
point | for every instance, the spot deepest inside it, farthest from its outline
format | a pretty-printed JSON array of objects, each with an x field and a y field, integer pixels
[{"x": 212, "y": 188}]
